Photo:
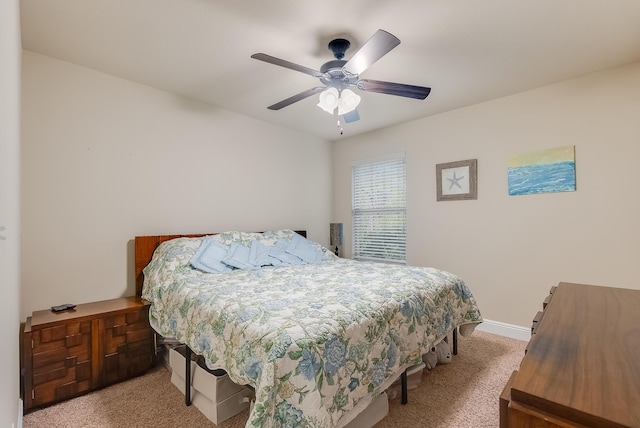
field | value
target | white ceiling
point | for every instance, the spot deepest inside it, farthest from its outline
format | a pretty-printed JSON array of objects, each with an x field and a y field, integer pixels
[{"x": 467, "y": 51}]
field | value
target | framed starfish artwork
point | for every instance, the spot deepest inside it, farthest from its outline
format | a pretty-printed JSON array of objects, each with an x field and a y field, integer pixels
[{"x": 457, "y": 181}]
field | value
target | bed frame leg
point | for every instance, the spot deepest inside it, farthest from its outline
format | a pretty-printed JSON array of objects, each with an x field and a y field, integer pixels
[
  {"x": 403, "y": 382},
  {"x": 187, "y": 375},
  {"x": 455, "y": 341}
]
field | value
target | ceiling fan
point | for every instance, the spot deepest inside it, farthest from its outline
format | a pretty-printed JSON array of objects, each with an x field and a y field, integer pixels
[{"x": 339, "y": 74}]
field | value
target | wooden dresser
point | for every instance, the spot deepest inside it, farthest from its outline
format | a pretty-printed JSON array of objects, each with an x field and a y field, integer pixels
[
  {"x": 65, "y": 354},
  {"x": 582, "y": 364}
]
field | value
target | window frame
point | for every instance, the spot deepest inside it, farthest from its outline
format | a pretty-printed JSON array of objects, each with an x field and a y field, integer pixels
[{"x": 392, "y": 240}]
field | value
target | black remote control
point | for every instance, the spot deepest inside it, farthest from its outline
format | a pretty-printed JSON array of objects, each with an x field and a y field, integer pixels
[{"x": 65, "y": 307}]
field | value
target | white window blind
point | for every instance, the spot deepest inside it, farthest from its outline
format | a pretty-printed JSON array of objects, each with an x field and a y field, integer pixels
[{"x": 379, "y": 210}]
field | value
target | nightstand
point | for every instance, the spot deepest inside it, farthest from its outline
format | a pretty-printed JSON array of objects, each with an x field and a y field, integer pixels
[{"x": 66, "y": 354}]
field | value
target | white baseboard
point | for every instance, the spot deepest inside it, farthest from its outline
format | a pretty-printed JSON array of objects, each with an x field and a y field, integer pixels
[{"x": 503, "y": 329}]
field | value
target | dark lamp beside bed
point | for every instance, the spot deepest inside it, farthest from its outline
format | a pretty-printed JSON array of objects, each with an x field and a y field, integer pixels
[{"x": 336, "y": 237}]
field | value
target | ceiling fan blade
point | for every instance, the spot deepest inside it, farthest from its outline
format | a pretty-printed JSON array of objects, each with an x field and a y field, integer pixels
[
  {"x": 352, "y": 116},
  {"x": 286, "y": 64},
  {"x": 375, "y": 48},
  {"x": 297, "y": 97},
  {"x": 399, "y": 89}
]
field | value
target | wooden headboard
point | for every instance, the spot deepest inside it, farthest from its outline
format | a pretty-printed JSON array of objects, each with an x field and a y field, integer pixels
[{"x": 146, "y": 245}]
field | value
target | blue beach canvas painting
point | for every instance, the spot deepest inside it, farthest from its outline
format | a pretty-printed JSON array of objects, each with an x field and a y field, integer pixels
[{"x": 552, "y": 170}]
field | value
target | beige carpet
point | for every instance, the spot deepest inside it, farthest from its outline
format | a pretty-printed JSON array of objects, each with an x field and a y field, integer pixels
[{"x": 461, "y": 394}]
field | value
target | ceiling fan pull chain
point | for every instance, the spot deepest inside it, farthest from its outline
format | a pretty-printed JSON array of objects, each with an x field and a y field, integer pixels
[{"x": 340, "y": 127}]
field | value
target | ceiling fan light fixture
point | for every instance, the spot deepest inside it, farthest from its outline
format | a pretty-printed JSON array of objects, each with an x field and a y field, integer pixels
[
  {"x": 328, "y": 100},
  {"x": 349, "y": 100}
]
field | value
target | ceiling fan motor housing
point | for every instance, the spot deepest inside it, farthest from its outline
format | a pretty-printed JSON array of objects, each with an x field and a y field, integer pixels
[{"x": 334, "y": 75}]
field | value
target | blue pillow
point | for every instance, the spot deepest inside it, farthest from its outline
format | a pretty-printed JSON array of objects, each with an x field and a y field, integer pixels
[
  {"x": 259, "y": 255},
  {"x": 208, "y": 257},
  {"x": 279, "y": 253},
  {"x": 238, "y": 257},
  {"x": 304, "y": 249}
]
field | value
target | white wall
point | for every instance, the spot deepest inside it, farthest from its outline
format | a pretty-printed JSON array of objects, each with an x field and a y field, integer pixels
[
  {"x": 105, "y": 159},
  {"x": 9, "y": 210},
  {"x": 512, "y": 249}
]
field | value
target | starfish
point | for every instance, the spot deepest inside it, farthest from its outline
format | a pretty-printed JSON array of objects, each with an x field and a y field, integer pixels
[{"x": 454, "y": 181}]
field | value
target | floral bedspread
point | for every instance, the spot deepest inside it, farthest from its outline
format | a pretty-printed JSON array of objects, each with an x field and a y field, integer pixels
[{"x": 318, "y": 342}]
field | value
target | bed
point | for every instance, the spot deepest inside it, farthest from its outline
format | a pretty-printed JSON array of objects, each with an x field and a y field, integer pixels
[{"x": 317, "y": 340}]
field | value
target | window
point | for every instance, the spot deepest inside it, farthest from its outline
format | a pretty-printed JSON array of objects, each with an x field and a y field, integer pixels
[{"x": 379, "y": 209}]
